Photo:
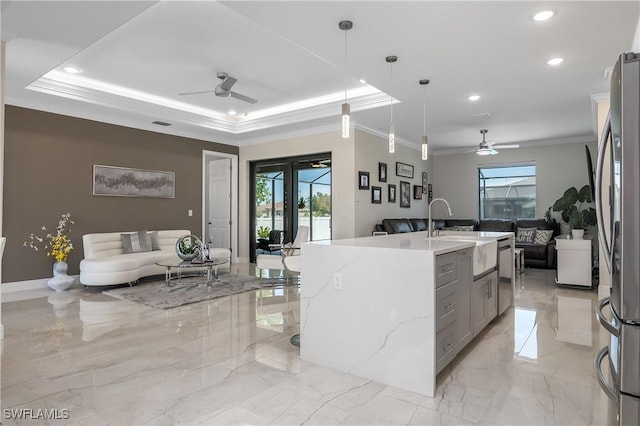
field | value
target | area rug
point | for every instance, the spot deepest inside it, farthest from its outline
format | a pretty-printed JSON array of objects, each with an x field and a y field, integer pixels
[{"x": 155, "y": 295}]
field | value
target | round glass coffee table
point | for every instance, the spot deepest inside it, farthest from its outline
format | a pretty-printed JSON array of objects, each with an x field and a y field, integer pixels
[{"x": 177, "y": 270}]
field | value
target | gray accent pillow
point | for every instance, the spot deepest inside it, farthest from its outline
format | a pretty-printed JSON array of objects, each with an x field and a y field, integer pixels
[
  {"x": 136, "y": 242},
  {"x": 155, "y": 240},
  {"x": 525, "y": 235},
  {"x": 466, "y": 228},
  {"x": 543, "y": 236}
]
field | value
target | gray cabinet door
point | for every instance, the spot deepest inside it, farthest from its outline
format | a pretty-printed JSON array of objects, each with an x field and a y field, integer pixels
[
  {"x": 480, "y": 294},
  {"x": 485, "y": 301}
]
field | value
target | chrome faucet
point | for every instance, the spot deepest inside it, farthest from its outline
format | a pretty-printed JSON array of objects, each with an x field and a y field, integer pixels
[{"x": 430, "y": 219}]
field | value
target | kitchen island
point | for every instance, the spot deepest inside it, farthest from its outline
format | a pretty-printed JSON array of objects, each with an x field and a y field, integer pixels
[{"x": 395, "y": 308}]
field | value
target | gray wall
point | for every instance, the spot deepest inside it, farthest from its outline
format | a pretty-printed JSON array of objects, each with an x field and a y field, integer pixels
[
  {"x": 558, "y": 167},
  {"x": 371, "y": 150},
  {"x": 48, "y": 168}
]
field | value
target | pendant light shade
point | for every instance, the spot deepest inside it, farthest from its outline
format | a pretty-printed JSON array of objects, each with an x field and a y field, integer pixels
[
  {"x": 425, "y": 140},
  {"x": 392, "y": 133},
  {"x": 425, "y": 147},
  {"x": 346, "y": 109},
  {"x": 392, "y": 139}
]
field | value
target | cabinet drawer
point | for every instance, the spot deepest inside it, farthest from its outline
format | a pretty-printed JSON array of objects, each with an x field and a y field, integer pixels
[
  {"x": 445, "y": 269},
  {"x": 446, "y": 304},
  {"x": 445, "y": 346}
]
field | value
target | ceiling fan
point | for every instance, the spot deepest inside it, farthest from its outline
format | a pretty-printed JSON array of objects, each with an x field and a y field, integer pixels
[
  {"x": 488, "y": 148},
  {"x": 224, "y": 89},
  {"x": 321, "y": 163}
]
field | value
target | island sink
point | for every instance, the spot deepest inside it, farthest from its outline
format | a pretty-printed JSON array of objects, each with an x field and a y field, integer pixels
[{"x": 484, "y": 252}]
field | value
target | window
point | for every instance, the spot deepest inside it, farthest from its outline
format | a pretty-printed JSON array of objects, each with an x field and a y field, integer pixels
[{"x": 507, "y": 192}]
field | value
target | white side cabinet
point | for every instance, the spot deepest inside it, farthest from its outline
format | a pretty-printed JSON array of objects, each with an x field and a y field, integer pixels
[{"x": 574, "y": 261}]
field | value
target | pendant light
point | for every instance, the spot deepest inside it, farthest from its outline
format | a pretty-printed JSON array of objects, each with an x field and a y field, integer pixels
[
  {"x": 346, "y": 109},
  {"x": 392, "y": 136},
  {"x": 425, "y": 139}
]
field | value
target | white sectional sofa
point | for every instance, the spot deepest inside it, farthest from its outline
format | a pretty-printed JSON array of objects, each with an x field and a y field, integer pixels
[{"x": 105, "y": 263}]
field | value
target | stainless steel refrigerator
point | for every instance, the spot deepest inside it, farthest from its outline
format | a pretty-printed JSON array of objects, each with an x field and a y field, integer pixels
[{"x": 622, "y": 249}]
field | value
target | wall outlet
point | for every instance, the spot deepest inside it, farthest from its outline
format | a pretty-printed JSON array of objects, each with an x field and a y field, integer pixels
[{"x": 337, "y": 281}]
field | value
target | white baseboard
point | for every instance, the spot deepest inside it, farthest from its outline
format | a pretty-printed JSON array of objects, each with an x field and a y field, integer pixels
[{"x": 30, "y": 284}]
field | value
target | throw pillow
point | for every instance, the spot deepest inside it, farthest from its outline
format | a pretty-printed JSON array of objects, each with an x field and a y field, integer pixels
[
  {"x": 466, "y": 228},
  {"x": 525, "y": 235},
  {"x": 155, "y": 240},
  {"x": 543, "y": 236},
  {"x": 136, "y": 242}
]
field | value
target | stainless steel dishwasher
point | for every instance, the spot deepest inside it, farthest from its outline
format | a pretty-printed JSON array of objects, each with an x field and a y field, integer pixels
[{"x": 506, "y": 274}]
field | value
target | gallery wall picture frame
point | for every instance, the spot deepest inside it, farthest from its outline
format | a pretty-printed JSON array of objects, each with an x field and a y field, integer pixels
[
  {"x": 363, "y": 180},
  {"x": 404, "y": 170},
  {"x": 392, "y": 193},
  {"x": 114, "y": 181},
  {"x": 425, "y": 182},
  {"x": 405, "y": 194},
  {"x": 376, "y": 194},
  {"x": 430, "y": 194},
  {"x": 417, "y": 192},
  {"x": 382, "y": 172}
]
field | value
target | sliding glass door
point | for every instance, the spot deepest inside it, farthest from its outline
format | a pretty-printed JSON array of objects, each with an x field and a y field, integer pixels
[{"x": 287, "y": 193}]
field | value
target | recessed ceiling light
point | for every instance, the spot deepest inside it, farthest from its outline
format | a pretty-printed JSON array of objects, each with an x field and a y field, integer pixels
[
  {"x": 363, "y": 81},
  {"x": 474, "y": 98},
  {"x": 543, "y": 16},
  {"x": 555, "y": 61},
  {"x": 232, "y": 112},
  {"x": 71, "y": 69}
]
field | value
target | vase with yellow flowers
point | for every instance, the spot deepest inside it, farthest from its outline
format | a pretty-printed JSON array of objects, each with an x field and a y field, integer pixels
[{"x": 58, "y": 246}]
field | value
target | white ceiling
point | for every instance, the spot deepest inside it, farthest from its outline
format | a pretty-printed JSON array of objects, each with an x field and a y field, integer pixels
[{"x": 135, "y": 57}]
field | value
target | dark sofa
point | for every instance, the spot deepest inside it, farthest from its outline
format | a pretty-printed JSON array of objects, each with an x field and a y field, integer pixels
[{"x": 535, "y": 255}]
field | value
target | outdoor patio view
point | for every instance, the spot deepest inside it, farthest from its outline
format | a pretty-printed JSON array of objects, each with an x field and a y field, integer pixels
[
  {"x": 312, "y": 202},
  {"x": 507, "y": 192}
]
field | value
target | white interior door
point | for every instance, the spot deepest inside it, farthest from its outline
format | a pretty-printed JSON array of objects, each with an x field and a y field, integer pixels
[{"x": 219, "y": 220}]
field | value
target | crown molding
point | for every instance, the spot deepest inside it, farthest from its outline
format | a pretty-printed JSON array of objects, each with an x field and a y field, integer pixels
[{"x": 122, "y": 99}]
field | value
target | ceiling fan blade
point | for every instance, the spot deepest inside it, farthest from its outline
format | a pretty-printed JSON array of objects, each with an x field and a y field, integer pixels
[
  {"x": 228, "y": 83},
  {"x": 242, "y": 97},
  {"x": 195, "y": 93},
  {"x": 485, "y": 151},
  {"x": 506, "y": 146}
]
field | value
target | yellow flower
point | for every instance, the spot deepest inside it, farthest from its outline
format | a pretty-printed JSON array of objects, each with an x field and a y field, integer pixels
[{"x": 59, "y": 245}]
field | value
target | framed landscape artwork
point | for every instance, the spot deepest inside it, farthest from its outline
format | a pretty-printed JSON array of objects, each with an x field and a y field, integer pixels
[
  {"x": 126, "y": 182},
  {"x": 376, "y": 194},
  {"x": 404, "y": 170},
  {"x": 405, "y": 194},
  {"x": 392, "y": 193}
]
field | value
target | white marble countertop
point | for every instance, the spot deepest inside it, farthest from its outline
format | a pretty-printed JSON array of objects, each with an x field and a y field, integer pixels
[
  {"x": 491, "y": 235},
  {"x": 418, "y": 241}
]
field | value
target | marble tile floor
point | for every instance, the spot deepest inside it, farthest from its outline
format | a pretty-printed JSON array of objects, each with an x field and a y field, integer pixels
[{"x": 229, "y": 362}]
